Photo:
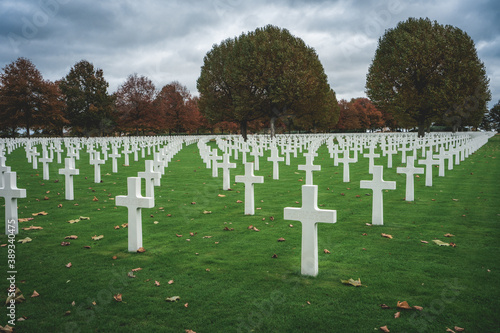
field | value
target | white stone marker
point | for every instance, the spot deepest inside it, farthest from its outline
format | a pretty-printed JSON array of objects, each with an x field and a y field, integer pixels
[
  {"x": 256, "y": 153},
  {"x": 410, "y": 170},
  {"x": 114, "y": 155},
  {"x": 34, "y": 158},
  {"x": 45, "y": 160},
  {"x": 151, "y": 177},
  {"x": 429, "y": 162},
  {"x": 134, "y": 201},
  {"x": 346, "y": 160},
  {"x": 96, "y": 161},
  {"x": 378, "y": 185},
  {"x": 309, "y": 167},
  {"x": 3, "y": 169},
  {"x": 226, "y": 172},
  {"x": 11, "y": 193},
  {"x": 275, "y": 158},
  {"x": 249, "y": 179},
  {"x": 69, "y": 171},
  {"x": 309, "y": 215},
  {"x": 215, "y": 158},
  {"x": 371, "y": 157}
]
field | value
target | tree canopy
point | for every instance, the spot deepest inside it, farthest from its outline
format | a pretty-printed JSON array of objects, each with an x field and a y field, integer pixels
[
  {"x": 265, "y": 74},
  {"x": 424, "y": 72}
]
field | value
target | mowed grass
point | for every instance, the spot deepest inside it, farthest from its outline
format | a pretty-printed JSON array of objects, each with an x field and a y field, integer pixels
[{"x": 230, "y": 282}]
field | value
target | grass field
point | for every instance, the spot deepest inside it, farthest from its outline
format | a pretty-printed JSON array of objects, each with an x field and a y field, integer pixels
[{"x": 229, "y": 282}]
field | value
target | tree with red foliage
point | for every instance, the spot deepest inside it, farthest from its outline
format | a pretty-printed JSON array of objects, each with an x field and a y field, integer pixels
[
  {"x": 369, "y": 117},
  {"x": 134, "y": 104}
]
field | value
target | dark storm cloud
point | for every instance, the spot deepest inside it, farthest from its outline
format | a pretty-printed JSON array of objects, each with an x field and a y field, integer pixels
[{"x": 167, "y": 40}]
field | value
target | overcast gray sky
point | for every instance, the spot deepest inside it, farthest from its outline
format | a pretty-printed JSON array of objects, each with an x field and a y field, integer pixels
[{"x": 167, "y": 40}]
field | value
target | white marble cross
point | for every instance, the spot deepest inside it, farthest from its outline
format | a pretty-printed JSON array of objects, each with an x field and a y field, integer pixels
[
  {"x": 377, "y": 185},
  {"x": 309, "y": 167},
  {"x": 151, "y": 177},
  {"x": 96, "y": 161},
  {"x": 114, "y": 155},
  {"x": 346, "y": 160},
  {"x": 226, "y": 172},
  {"x": 371, "y": 157},
  {"x": 275, "y": 158},
  {"x": 215, "y": 158},
  {"x": 256, "y": 153},
  {"x": 3, "y": 169},
  {"x": 249, "y": 179},
  {"x": 410, "y": 170},
  {"x": 11, "y": 193},
  {"x": 309, "y": 215},
  {"x": 34, "y": 157},
  {"x": 429, "y": 162},
  {"x": 69, "y": 171},
  {"x": 134, "y": 201}
]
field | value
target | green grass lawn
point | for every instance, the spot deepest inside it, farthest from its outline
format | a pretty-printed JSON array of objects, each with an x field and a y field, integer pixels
[{"x": 229, "y": 282}]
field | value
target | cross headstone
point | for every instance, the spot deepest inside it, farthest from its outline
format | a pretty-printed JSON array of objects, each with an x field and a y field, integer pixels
[
  {"x": 11, "y": 193},
  {"x": 249, "y": 179},
  {"x": 256, "y": 153},
  {"x": 69, "y": 171},
  {"x": 346, "y": 160},
  {"x": 309, "y": 167},
  {"x": 309, "y": 215},
  {"x": 151, "y": 177},
  {"x": 410, "y": 170},
  {"x": 114, "y": 155},
  {"x": 226, "y": 172},
  {"x": 3, "y": 169},
  {"x": 275, "y": 158},
  {"x": 96, "y": 161},
  {"x": 371, "y": 157},
  {"x": 134, "y": 201},
  {"x": 377, "y": 185},
  {"x": 429, "y": 162},
  {"x": 215, "y": 158}
]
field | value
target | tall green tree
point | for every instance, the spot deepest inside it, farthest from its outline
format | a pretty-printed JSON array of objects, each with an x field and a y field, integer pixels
[
  {"x": 491, "y": 120},
  {"x": 28, "y": 101},
  {"x": 424, "y": 72},
  {"x": 89, "y": 107},
  {"x": 265, "y": 74}
]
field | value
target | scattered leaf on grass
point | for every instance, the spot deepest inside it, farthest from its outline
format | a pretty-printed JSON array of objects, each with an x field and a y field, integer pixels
[
  {"x": 71, "y": 237},
  {"x": 440, "y": 243},
  {"x": 117, "y": 227},
  {"x": 384, "y": 329},
  {"x": 25, "y": 240},
  {"x": 186, "y": 305},
  {"x": 35, "y": 294},
  {"x": 141, "y": 250},
  {"x": 178, "y": 235},
  {"x": 385, "y": 306},
  {"x": 239, "y": 201},
  {"x": 172, "y": 299},
  {"x": 84, "y": 218},
  {"x": 74, "y": 221},
  {"x": 207, "y": 212},
  {"x": 190, "y": 331},
  {"x": 86, "y": 247},
  {"x": 95, "y": 198},
  {"x": 397, "y": 314},
  {"x": 131, "y": 275},
  {"x": 425, "y": 242},
  {"x": 274, "y": 256},
  {"x": 386, "y": 236},
  {"x": 17, "y": 297},
  {"x": 326, "y": 251},
  {"x": 221, "y": 195},
  {"x": 403, "y": 305},
  {"x": 352, "y": 282},
  {"x": 65, "y": 243},
  {"x": 171, "y": 281},
  {"x": 9, "y": 329},
  {"x": 419, "y": 308},
  {"x": 69, "y": 265},
  {"x": 117, "y": 297},
  {"x": 136, "y": 269},
  {"x": 26, "y": 219},
  {"x": 228, "y": 229},
  {"x": 124, "y": 225},
  {"x": 281, "y": 239},
  {"x": 459, "y": 329},
  {"x": 157, "y": 283},
  {"x": 43, "y": 213},
  {"x": 95, "y": 237},
  {"x": 448, "y": 235},
  {"x": 33, "y": 228},
  {"x": 207, "y": 236}
]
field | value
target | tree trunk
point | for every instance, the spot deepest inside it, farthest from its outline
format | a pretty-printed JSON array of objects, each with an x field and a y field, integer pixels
[
  {"x": 243, "y": 129},
  {"x": 273, "y": 129},
  {"x": 421, "y": 128}
]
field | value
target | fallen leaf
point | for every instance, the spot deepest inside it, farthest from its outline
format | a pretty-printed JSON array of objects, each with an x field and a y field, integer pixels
[
  {"x": 190, "y": 331},
  {"x": 191, "y": 234},
  {"x": 141, "y": 250},
  {"x": 207, "y": 236},
  {"x": 71, "y": 237},
  {"x": 448, "y": 235},
  {"x": 157, "y": 283},
  {"x": 136, "y": 269},
  {"x": 69, "y": 264},
  {"x": 124, "y": 225},
  {"x": 419, "y": 308},
  {"x": 228, "y": 229},
  {"x": 397, "y": 314},
  {"x": 221, "y": 195},
  {"x": 290, "y": 225},
  {"x": 186, "y": 305},
  {"x": 178, "y": 235},
  {"x": 274, "y": 256},
  {"x": 453, "y": 245},
  {"x": 25, "y": 219},
  {"x": 425, "y": 242},
  {"x": 43, "y": 213},
  {"x": 364, "y": 234},
  {"x": 449, "y": 330},
  {"x": 271, "y": 218},
  {"x": 384, "y": 306},
  {"x": 239, "y": 201},
  {"x": 35, "y": 294},
  {"x": 368, "y": 224},
  {"x": 326, "y": 251},
  {"x": 117, "y": 227},
  {"x": 65, "y": 243},
  {"x": 33, "y": 228},
  {"x": 45, "y": 198},
  {"x": 131, "y": 275},
  {"x": 74, "y": 221},
  {"x": 207, "y": 212},
  {"x": 386, "y": 236},
  {"x": 156, "y": 222},
  {"x": 95, "y": 237},
  {"x": 17, "y": 297},
  {"x": 207, "y": 270},
  {"x": 384, "y": 329},
  {"x": 172, "y": 299},
  {"x": 403, "y": 305},
  {"x": 193, "y": 203},
  {"x": 255, "y": 229},
  {"x": 352, "y": 282},
  {"x": 67, "y": 313},
  {"x": 25, "y": 240},
  {"x": 171, "y": 281},
  {"x": 454, "y": 199},
  {"x": 459, "y": 329},
  {"x": 440, "y": 243},
  {"x": 117, "y": 297},
  {"x": 95, "y": 198},
  {"x": 59, "y": 206},
  {"x": 86, "y": 247},
  {"x": 281, "y": 239},
  {"x": 7, "y": 329}
]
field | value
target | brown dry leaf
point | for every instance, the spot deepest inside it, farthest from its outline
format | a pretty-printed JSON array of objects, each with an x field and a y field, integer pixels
[
  {"x": 67, "y": 313},
  {"x": 193, "y": 203},
  {"x": 136, "y": 269},
  {"x": 118, "y": 297},
  {"x": 141, "y": 250},
  {"x": 449, "y": 330},
  {"x": 352, "y": 282},
  {"x": 35, "y": 294},
  {"x": 239, "y": 201},
  {"x": 172, "y": 299},
  {"x": 228, "y": 229},
  {"x": 384, "y": 329},
  {"x": 281, "y": 239},
  {"x": 45, "y": 198},
  {"x": 419, "y": 308},
  {"x": 386, "y": 236},
  {"x": 190, "y": 331},
  {"x": 186, "y": 305},
  {"x": 86, "y": 247},
  {"x": 84, "y": 218},
  {"x": 425, "y": 242},
  {"x": 403, "y": 305},
  {"x": 25, "y": 240},
  {"x": 250, "y": 227},
  {"x": 290, "y": 225},
  {"x": 274, "y": 256},
  {"x": 178, "y": 235},
  {"x": 95, "y": 237},
  {"x": 17, "y": 297},
  {"x": 95, "y": 198},
  {"x": 368, "y": 224},
  {"x": 397, "y": 314},
  {"x": 459, "y": 329},
  {"x": 207, "y": 270},
  {"x": 207, "y": 236},
  {"x": 191, "y": 234},
  {"x": 124, "y": 225},
  {"x": 65, "y": 243},
  {"x": 448, "y": 235},
  {"x": 74, "y": 221},
  {"x": 25, "y": 219},
  {"x": 157, "y": 283},
  {"x": 71, "y": 237},
  {"x": 117, "y": 227},
  {"x": 32, "y": 228},
  {"x": 385, "y": 306},
  {"x": 440, "y": 243},
  {"x": 69, "y": 264},
  {"x": 43, "y": 213},
  {"x": 171, "y": 281},
  {"x": 221, "y": 195},
  {"x": 255, "y": 229},
  {"x": 8, "y": 329},
  {"x": 114, "y": 257},
  {"x": 453, "y": 245},
  {"x": 326, "y": 251},
  {"x": 59, "y": 206},
  {"x": 207, "y": 212}
]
